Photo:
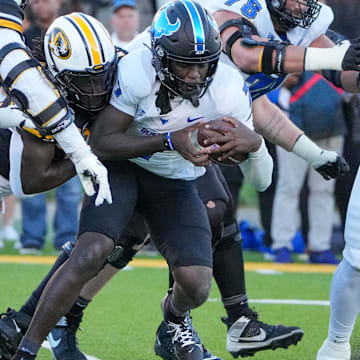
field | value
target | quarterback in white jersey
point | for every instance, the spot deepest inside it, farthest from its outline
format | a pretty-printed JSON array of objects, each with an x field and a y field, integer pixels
[{"x": 136, "y": 92}]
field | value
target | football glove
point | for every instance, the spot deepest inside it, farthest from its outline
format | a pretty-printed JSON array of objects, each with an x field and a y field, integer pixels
[
  {"x": 91, "y": 172},
  {"x": 332, "y": 165}
]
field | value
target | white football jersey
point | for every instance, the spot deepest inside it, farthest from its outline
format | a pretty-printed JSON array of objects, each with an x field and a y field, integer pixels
[
  {"x": 257, "y": 13},
  {"x": 135, "y": 93}
]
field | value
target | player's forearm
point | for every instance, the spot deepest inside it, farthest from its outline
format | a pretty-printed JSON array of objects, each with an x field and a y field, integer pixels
[
  {"x": 350, "y": 81},
  {"x": 121, "y": 146},
  {"x": 258, "y": 168},
  {"x": 55, "y": 175},
  {"x": 274, "y": 125}
]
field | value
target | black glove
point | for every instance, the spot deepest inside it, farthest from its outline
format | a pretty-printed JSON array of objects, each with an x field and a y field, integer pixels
[
  {"x": 351, "y": 59},
  {"x": 332, "y": 170}
]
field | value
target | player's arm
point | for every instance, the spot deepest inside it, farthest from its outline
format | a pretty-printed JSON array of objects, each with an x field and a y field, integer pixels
[
  {"x": 19, "y": 72},
  {"x": 258, "y": 167},
  {"x": 110, "y": 141},
  {"x": 253, "y": 54},
  {"x": 274, "y": 125},
  {"x": 38, "y": 157}
]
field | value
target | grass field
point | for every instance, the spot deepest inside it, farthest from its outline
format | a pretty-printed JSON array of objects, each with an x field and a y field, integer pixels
[{"x": 121, "y": 322}]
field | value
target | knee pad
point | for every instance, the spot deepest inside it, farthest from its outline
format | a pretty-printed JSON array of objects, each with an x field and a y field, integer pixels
[{"x": 230, "y": 236}]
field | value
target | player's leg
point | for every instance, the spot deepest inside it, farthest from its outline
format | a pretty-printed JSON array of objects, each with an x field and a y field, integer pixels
[
  {"x": 184, "y": 239},
  {"x": 12, "y": 321},
  {"x": 99, "y": 228},
  {"x": 345, "y": 287},
  {"x": 243, "y": 324},
  {"x": 62, "y": 338}
]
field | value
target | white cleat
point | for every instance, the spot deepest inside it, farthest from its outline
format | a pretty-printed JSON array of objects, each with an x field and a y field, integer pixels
[{"x": 334, "y": 351}]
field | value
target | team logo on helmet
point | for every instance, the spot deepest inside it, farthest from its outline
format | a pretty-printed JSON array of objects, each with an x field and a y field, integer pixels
[
  {"x": 162, "y": 25},
  {"x": 59, "y": 44}
]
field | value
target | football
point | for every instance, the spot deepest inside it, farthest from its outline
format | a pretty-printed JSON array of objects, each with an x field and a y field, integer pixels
[{"x": 204, "y": 134}]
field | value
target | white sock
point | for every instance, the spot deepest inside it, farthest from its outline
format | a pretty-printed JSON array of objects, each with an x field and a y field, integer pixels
[{"x": 344, "y": 302}]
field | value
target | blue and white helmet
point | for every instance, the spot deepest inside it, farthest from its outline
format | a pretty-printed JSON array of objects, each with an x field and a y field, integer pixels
[{"x": 183, "y": 31}]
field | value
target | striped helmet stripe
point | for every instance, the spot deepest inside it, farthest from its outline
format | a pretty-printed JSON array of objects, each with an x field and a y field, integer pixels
[
  {"x": 198, "y": 30},
  {"x": 89, "y": 36},
  {"x": 96, "y": 35},
  {"x": 82, "y": 38}
]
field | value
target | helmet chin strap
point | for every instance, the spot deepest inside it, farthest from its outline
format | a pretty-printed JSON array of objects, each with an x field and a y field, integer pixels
[{"x": 192, "y": 95}]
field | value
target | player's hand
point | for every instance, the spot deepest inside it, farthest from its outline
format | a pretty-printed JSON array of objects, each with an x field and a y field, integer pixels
[
  {"x": 351, "y": 60},
  {"x": 12, "y": 116},
  {"x": 91, "y": 171},
  {"x": 237, "y": 140},
  {"x": 183, "y": 145},
  {"x": 330, "y": 165}
]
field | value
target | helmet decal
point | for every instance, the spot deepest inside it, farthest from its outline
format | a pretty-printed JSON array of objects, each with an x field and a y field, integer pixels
[
  {"x": 59, "y": 44},
  {"x": 162, "y": 24},
  {"x": 198, "y": 30}
]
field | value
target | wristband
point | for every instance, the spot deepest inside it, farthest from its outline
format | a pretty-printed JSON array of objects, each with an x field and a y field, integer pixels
[{"x": 168, "y": 143}]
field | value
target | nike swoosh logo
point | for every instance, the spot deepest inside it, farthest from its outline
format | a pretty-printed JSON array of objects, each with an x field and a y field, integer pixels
[
  {"x": 260, "y": 337},
  {"x": 18, "y": 330},
  {"x": 189, "y": 119},
  {"x": 53, "y": 342}
]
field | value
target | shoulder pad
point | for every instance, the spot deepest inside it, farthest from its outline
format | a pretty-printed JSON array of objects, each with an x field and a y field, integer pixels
[{"x": 137, "y": 72}]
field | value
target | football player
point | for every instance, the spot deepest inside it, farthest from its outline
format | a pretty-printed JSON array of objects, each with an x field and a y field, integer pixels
[
  {"x": 175, "y": 81},
  {"x": 43, "y": 102}
]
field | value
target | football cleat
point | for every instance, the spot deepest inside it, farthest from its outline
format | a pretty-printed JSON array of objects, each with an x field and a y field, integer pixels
[
  {"x": 12, "y": 327},
  {"x": 182, "y": 336},
  {"x": 283, "y": 256},
  {"x": 247, "y": 335},
  {"x": 22, "y": 355},
  {"x": 331, "y": 350},
  {"x": 62, "y": 339},
  {"x": 165, "y": 348}
]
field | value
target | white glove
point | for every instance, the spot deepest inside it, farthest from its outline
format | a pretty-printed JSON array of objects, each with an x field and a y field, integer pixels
[
  {"x": 91, "y": 171},
  {"x": 12, "y": 116}
]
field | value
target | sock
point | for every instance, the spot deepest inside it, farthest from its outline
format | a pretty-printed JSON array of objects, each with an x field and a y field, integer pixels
[
  {"x": 235, "y": 306},
  {"x": 170, "y": 310},
  {"x": 29, "y": 347},
  {"x": 344, "y": 302},
  {"x": 31, "y": 303},
  {"x": 78, "y": 307}
]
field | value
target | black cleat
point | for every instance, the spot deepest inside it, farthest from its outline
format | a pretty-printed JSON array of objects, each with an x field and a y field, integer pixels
[
  {"x": 13, "y": 324},
  {"x": 165, "y": 348},
  {"x": 247, "y": 335},
  {"x": 22, "y": 355},
  {"x": 62, "y": 339}
]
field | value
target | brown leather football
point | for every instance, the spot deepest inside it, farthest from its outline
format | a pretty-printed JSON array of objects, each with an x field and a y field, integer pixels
[{"x": 204, "y": 134}]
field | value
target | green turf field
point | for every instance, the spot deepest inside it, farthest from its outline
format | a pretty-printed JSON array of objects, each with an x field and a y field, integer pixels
[{"x": 121, "y": 322}]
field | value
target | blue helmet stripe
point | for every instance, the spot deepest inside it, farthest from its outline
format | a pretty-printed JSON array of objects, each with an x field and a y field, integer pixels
[{"x": 199, "y": 35}]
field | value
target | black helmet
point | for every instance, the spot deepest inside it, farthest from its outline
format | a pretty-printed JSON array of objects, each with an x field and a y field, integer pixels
[
  {"x": 184, "y": 32},
  {"x": 292, "y": 18}
]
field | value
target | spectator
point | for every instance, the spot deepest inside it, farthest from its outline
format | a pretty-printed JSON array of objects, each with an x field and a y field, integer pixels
[
  {"x": 8, "y": 232},
  {"x": 124, "y": 22},
  {"x": 68, "y": 196},
  {"x": 314, "y": 106}
]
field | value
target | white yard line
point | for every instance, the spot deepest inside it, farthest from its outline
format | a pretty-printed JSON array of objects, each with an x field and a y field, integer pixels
[{"x": 284, "y": 302}]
